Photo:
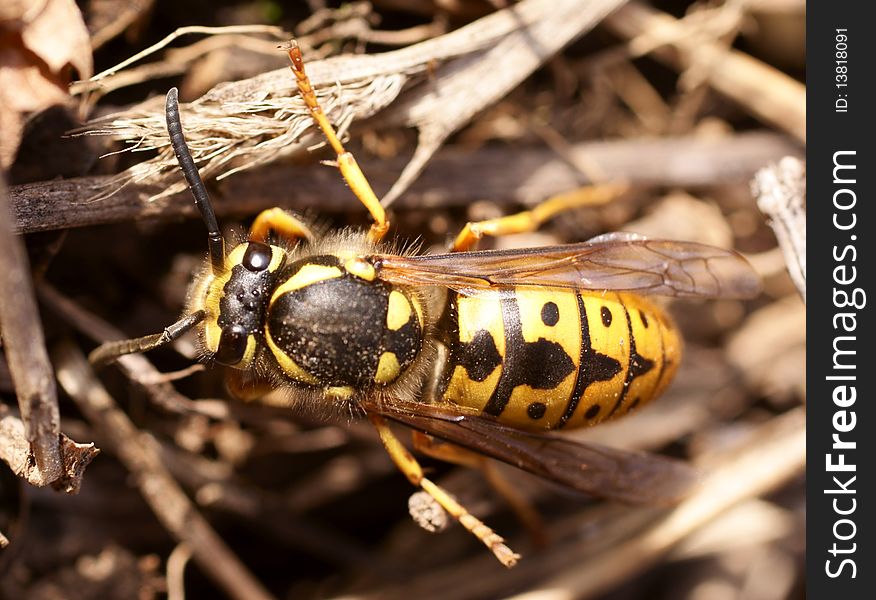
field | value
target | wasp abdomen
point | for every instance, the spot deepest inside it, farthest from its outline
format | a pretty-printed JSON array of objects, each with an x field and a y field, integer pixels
[
  {"x": 548, "y": 358},
  {"x": 341, "y": 331}
]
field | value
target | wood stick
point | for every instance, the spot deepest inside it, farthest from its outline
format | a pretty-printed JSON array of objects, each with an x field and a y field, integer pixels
[
  {"x": 16, "y": 452},
  {"x": 138, "y": 451},
  {"x": 453, "y": 178},
  {"x": 774, "y": 454},
  {"x": 627, "y": 541},
  {"x": 25, "y": 348},
  {"x": 781, "y": 195},
  {"x": 765, "y": 91}
]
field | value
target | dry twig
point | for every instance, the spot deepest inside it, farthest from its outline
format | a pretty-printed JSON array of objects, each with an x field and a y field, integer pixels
[
  {"x": 28, "y": 360},
  {"x": 781, "y": 195},
  {"x": 136, "y": 367},
  {"x": 242, "y": 124},
  {"x": 767, "y": 92},
  {"x": 138, "y": 452},
  {"x": 92, "y": 83},
  {"x": 769, "y": 348},
  {"x": 626, "y": 541},
  {"x": 453, "y": 179},
  {"x": 16, "y": 452},
  {"x": 467, "y": 86},
  {"x": 774, "y": 454}
]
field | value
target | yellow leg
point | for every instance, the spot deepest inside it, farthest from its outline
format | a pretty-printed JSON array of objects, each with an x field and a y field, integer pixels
[
  {"x": 246, "y": 386},
  {"x": 530, "y": 220},
  {"x": 457, "y": 455},
  {"x": 350, "y": 170},
  {"x": 446, "y": 452},
  {"x": 281, "y": 223},
  {"x": 408, "y": 465}
]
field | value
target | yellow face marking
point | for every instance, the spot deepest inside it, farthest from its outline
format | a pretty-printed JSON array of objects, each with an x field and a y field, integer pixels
[
  {"x": 212, "y": 331},
  {"x": 360, "y": 268},
  {"x": 343, "y": 392},
  {"x": 289, "y": 367},
  {"x": 248, "y": 354},
  {"x": 277, "y": 256},
  {"x": 388, "y": 368},
  {"x": 215, "y": 292},
  {"x": 235, "y": 257},
  {"x": 215, "y": 288},
  {"x": 399, "y": 311},
  {"x": 306, "y": 275}
]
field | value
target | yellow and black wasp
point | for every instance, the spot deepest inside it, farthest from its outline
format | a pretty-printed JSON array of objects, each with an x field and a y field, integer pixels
[{"x": 487, "y": 350}]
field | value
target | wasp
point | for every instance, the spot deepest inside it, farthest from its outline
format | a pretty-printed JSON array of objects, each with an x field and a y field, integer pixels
[{"x": 488, "y": 351}]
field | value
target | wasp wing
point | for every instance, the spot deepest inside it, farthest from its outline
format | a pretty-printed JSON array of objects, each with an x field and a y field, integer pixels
[
  {"x": 618, "y": 261},
  {"x": 634, "y": 477}
]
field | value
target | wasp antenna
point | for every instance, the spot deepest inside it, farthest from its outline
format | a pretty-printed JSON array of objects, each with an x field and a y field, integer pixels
[
  {"x": 215, "y": 241},
  {"x": 110, "y": 351}
]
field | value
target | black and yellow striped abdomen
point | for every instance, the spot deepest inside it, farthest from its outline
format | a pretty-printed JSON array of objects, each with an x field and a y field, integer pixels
[{"x": 541, "y": 358}]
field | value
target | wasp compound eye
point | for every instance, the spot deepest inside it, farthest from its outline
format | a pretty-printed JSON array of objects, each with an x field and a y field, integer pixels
[
  {"x": 232, "y": 345},
  {"x": 257, "y": 257}
]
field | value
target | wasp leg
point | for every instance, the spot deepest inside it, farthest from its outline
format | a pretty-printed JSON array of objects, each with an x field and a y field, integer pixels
[
  {"x": 530, "y": 220},
  {"x": 408, "y": 465},
  {"x": 282, "y": 223},
  {"x": 246, "y": 386},
  {"x": 457, "y": 455},
  {"x": 350, "y": 170},
  {"x": 110, "y": 351}
]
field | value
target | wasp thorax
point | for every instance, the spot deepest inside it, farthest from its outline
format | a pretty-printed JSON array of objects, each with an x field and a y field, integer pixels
[{"x": 342, "y": 329}]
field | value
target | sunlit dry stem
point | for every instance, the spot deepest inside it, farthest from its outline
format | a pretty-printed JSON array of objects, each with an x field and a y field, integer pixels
[
  {"x": 138, "y": 452},
  {"x": 25, "y": 352},
  {"x": 781, "y": 195}
]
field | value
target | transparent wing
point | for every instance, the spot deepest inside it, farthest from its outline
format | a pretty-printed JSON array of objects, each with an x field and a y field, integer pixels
[
  {"x": 634, "y": 477},
  {"x": 618, "y": 261}
]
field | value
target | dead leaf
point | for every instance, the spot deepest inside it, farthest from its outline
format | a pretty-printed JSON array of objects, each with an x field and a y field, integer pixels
[{"x": 38, "y": 40}]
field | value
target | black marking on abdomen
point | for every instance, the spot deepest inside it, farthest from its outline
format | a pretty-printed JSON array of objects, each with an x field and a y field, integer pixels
[
  {"x": 536, "y": 410},
  {"x": 663, "y": 358},
  {"x": 550, "y": 314},
  {"x": 541, "y": 365},
  {"x": 639, "y": 365},
  {"x": 479, "y": 357},
  {"x": 593, "y": 367}
]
